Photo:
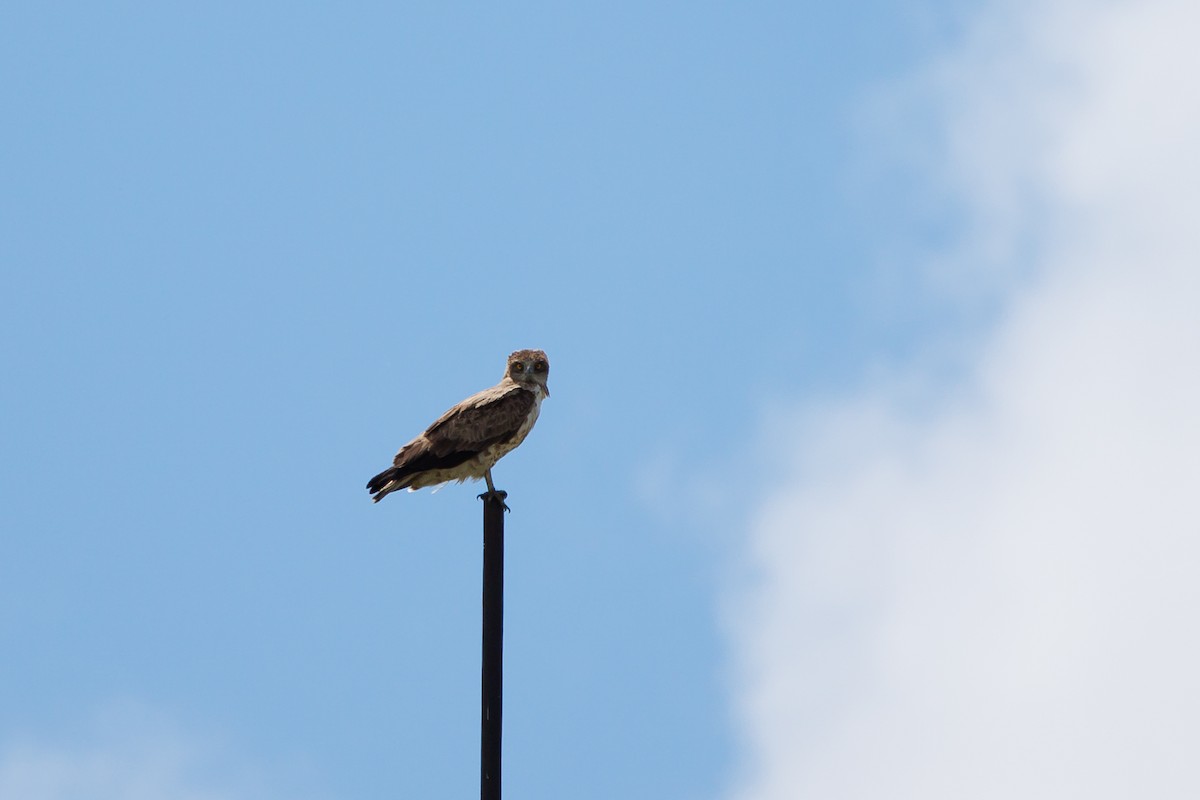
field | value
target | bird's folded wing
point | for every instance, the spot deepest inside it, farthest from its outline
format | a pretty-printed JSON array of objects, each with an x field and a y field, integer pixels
[{"x": 483, "y": 419}]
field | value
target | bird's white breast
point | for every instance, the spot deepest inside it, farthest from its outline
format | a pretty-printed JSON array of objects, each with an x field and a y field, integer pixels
[{"x": 501, "y": 449}]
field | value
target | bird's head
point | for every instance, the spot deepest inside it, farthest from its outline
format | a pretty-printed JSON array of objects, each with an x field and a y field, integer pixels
[{"x": 529, "y": 368}]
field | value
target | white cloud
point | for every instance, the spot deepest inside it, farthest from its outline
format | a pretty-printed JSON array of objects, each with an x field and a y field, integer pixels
[
  {"x": 131, "y": 754},
  {"x": 996, "y": 594}
]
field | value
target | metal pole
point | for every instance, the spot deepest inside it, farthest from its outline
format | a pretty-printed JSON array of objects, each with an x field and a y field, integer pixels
[{"x": 493, "y": 644}]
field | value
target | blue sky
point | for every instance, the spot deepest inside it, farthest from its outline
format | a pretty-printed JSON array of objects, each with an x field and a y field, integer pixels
[{"x": 248, "y": 251}]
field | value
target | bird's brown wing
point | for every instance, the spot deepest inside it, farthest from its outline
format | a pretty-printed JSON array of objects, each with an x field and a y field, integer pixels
[{"x": 494, "y": 415}]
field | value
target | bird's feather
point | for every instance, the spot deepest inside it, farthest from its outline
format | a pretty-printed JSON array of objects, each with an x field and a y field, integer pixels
[
  {"x": 482, "y": 419},
  {"x": 494, "y": 415}
]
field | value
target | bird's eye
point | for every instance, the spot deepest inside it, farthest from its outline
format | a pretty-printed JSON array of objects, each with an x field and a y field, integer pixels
[
  {"x": 539, "y": 366},
  {"x": 516, "y": 366}
]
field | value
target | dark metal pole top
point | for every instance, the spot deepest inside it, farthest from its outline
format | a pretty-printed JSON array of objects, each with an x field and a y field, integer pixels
[{"x": 493, "y": 645}]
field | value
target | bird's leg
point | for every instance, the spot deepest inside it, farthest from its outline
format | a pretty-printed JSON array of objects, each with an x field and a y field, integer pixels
[{"x": 493, "y": 493}]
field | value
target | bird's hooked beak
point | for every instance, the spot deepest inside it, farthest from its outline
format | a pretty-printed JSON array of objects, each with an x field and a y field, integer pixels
[{"x": 546, "y": 389}]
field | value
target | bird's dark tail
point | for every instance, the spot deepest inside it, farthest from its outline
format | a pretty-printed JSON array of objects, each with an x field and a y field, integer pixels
[{"x": 386, "y": 482}]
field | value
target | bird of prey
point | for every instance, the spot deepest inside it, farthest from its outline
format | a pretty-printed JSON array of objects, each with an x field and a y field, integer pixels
[{"x": 467, "y": 441}]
